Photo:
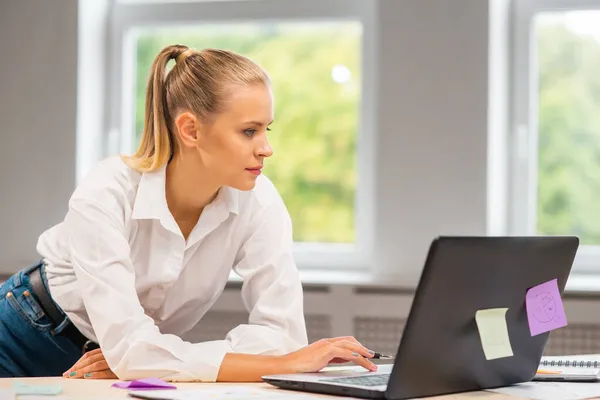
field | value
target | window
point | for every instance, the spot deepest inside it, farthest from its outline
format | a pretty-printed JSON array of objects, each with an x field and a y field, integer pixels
[
  {"x": 316, "y": 67},
  {"x": 317, "y": 89},
  {"x": 557, "y": 110}
]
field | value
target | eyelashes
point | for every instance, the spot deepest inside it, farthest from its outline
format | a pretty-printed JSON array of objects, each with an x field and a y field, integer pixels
[{"x": 252, "y": 132}]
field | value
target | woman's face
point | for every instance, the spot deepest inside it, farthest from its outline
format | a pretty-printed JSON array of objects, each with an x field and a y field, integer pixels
[{"x": 232, "y": 147}]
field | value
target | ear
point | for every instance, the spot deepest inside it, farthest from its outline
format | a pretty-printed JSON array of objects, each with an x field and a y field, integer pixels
[{"x": 187, "y": 126}]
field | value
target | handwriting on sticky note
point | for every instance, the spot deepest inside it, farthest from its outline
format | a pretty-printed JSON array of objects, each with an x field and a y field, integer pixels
[
  {"x": 493, "y": 332},
  {"x": 545, "y": 310},
  {"x": 21, "y": 388}
]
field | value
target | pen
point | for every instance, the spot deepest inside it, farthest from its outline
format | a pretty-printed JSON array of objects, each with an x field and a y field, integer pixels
[{"x": 379, "y": 356}]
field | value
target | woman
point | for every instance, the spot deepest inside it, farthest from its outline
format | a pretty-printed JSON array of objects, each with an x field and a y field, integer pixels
[{"x": 149, "y": 240}]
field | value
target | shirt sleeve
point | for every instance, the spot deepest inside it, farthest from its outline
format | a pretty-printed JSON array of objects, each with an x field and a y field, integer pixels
[
  {"x": 131, "y": 342},
  {"x": 271, "y": 290}
]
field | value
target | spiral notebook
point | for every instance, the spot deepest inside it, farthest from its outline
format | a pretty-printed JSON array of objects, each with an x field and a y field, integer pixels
[
  {"x": 579, "y": 361},
  {"x": 581, "y": 368}
]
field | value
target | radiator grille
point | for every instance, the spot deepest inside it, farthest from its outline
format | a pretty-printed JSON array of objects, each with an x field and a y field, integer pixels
[
  {"x": 215, "y": 325},
  {"x": 381, "y": 334},
  {"x": 384, "y": 335},
  {"x": 574, "y": 339}
]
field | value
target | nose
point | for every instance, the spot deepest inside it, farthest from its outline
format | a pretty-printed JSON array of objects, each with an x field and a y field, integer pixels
[{"x": 264, "y": 149}]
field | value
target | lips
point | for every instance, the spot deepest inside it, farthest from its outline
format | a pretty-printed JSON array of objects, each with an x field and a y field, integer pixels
[{"x": 255, "y": 170}]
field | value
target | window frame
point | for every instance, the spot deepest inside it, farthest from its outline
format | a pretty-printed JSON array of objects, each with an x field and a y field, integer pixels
[
  {"x": 127, "y": 16},
  {"x": 524, "y": 127}
]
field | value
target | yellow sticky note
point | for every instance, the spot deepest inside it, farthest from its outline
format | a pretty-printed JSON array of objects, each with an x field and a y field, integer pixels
[{"x": 493, "y": 333}]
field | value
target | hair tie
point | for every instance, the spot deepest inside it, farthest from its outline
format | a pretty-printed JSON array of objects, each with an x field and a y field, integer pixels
[{"x": 185, "y": 54}]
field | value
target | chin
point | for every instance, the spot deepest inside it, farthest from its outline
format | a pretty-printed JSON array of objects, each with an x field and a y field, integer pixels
[{"x": 244, "y": 186}]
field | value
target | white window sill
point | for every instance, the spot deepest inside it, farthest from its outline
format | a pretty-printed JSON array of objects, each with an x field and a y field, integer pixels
[
  {"x": 351, "y": 277},
  {"x": 583, "y": 284},
  {"x": 578, "y": 284}
]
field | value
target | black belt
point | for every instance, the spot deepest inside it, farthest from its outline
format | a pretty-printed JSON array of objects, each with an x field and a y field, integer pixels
[{"x": 57, "y": 317}]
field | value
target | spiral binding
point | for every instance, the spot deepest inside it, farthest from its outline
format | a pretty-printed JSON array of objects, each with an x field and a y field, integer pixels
[{"x": 570, "y": 363}]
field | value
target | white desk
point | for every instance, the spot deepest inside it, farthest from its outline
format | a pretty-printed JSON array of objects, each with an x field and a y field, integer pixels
[{"x": 80, "y": 389}]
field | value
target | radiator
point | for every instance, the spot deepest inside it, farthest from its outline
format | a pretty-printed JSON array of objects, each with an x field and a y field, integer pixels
[{"x": 377, "y": 317}]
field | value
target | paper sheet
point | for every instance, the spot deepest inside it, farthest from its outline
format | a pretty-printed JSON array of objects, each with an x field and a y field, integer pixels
[
  {"x": 227, "y": 393},
  {"x": 7, "y": 394},
  {"x": 545, "y": 310},
  {"x": 493, "y": 332},
  {"x": 552, "y": 390}
]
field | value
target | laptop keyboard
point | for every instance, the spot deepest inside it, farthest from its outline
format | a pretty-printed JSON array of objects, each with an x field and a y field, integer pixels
[{"x": 365, "y": 380}]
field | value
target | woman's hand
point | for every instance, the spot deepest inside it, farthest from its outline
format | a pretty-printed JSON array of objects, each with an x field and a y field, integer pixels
[
  {"x": 238, "y": 367},
  {"x": 92, "y": 365},
  {"x": 319, "y": 354},
  {"x": 311, "y": 358}
]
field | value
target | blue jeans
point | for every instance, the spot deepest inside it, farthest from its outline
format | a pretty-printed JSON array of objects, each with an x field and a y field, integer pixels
[{"x": 30, "y": 343}]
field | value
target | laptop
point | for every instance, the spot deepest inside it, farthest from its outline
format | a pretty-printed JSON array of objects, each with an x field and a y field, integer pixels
[{"x": 441, "y": 351}]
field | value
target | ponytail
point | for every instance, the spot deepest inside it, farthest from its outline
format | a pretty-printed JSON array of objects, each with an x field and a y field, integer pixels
[
  {"x": 157, "y": 145},
  {"x": 196, "y": 84}
]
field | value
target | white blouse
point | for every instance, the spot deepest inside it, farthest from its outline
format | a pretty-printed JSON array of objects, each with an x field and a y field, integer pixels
[{"x": 121, "y": 270}]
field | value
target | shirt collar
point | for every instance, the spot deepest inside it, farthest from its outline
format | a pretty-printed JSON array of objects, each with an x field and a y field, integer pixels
[
  {"x": 231, "y": 198},
  {"x": 151, "y": 200}
]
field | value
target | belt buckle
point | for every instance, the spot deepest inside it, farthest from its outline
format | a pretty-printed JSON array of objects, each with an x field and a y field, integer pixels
[{"x": 85, "y": 347}]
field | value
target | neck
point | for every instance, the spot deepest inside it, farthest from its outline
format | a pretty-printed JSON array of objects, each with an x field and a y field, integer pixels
[{"x": 188, "y": 189}]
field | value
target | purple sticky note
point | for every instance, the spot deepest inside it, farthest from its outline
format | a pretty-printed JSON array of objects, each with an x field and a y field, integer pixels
[
  {"x": 545, "y": 310},
  {"x": 145, "y": 384}
]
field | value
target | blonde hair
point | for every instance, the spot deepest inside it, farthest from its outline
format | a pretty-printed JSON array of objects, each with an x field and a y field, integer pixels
[{"x": 196, "y": 83}]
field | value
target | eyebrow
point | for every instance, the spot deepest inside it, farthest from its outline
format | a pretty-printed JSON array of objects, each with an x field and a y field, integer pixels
[{"x": 258, "y": 123}]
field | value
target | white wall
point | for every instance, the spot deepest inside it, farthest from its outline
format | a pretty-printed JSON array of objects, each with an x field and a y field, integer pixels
[
  {"x": 432, "y": 113},
  {"x": 431, "y": 102},
  {"x": 38, "y": 74}
]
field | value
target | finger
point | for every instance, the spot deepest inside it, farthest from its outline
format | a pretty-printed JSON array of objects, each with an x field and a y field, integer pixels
[
  {"x": 338, "y": 361},
  {"x": 344, "y": 338},
  {"x": 76, "y": 374},
  {"x": 91, "y": 360},
  {"x": 93, "y": 352},
  {"x": 354, "y": 340},
  {"x": 75, "y": 366},
  {"x": 83, "y": 362},
  {"x": 106, "y": 374},
  {"x": 336, "y": 353},
  {"x": 95, "y": 367},
  {"x": 340, "y": 338},
  {"x": 352, "y": 356},
  {"x": 358, "y": 348},
  {"x": 84, "y": 359}
]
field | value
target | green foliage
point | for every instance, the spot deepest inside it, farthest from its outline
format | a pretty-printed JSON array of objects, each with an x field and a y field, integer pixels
[
  {"x": 569, "y": 133},
  {"x": 316, "y": 119}
]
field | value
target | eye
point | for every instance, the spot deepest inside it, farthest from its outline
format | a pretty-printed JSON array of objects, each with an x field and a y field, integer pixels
[
  {"x": 249, "y": 132},
  {"x": 268, "y": 129}
]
